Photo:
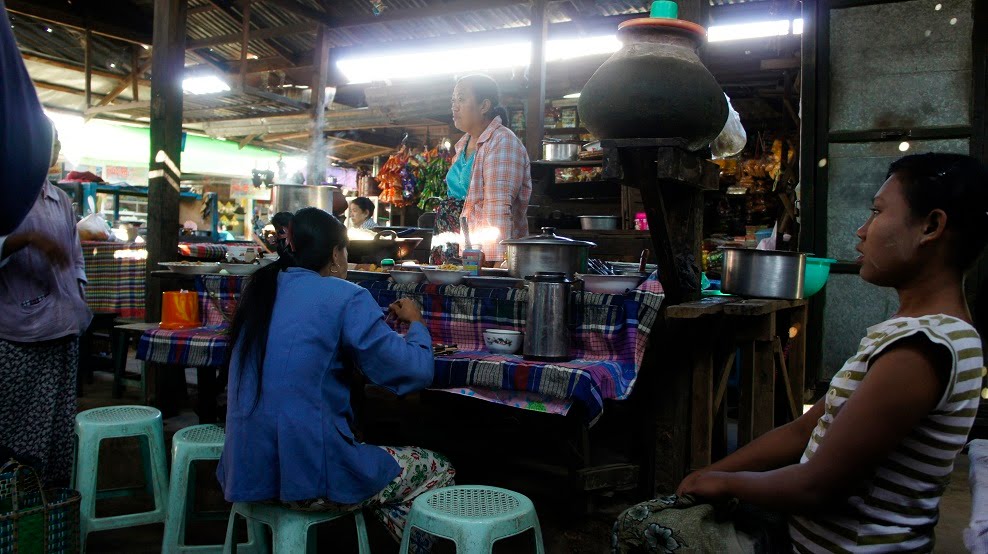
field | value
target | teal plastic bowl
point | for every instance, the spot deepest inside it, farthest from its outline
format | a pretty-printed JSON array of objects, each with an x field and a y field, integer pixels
[{"x": 817, "y": 271}]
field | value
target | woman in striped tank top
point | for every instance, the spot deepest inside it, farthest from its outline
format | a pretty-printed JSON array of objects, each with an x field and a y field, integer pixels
[{"x": 864, "y": 469}]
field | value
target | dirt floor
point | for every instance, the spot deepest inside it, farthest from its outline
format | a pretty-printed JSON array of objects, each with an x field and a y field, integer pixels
[{"x": 563, "y": 532}]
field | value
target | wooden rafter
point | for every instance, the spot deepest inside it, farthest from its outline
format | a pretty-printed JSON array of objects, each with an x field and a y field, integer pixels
[
  {"x": 256, "y": 34},
  {"x": 61, "y": 88},
  {"x": 37, "y": 10},
  {"x": 124, "y": 83},
  {"x": 75, "y": 67},
  {"x": 373, "y": 154},
  {"x": 243, "y": 17},
  {"x": 245, "y": 141}
]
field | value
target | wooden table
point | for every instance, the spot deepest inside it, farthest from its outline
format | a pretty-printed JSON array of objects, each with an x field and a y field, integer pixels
[{"x": 761, "y": 330}]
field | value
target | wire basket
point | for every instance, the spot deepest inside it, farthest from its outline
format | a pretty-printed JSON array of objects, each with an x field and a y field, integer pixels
[{"x": 33, "y": 519}]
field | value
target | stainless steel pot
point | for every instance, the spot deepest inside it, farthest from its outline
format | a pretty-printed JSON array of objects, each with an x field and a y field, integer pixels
[
  {"x": 547, "y": 252},
  {"x": 560, "y": 151},
  {"x": 763, "y": 273},
  {"x": 599, "y": 222},
  {"x": 289, "y": 197},
  {"x": 547, "y": 327}
]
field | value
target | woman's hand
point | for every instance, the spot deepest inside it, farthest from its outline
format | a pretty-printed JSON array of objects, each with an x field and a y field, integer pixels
[
  {"x": 407, "y": 310},
  {"x": 704, "y": 484},
  {"x": 688, "y": 482}
]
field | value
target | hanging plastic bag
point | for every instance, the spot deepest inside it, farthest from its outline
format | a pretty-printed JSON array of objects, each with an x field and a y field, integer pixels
[
  {"x": 93, "y": 226},
  {"x": 732, "y": 137}
]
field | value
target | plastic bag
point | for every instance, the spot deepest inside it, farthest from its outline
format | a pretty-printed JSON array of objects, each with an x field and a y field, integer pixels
[
  {"x": 93, "y": 226},
  {"x": 732, "y": 137}
]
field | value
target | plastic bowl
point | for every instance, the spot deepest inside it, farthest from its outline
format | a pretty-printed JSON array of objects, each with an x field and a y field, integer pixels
[
  {"x": 444, "y": 276},
  {"x": 406, "y": 277},
  {"x": 502, "y": 341},
  {"x": 610, "y": 284},
  {"x": 817, "y": 272}
]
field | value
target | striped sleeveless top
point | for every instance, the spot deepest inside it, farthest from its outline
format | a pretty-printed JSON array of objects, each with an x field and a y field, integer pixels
[{"x": 897, "y": 507}]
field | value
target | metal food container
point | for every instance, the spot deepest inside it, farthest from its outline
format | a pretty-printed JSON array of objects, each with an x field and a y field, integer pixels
[
  {"x": 547, "y": 252},
  {"x": 547, "y": 328},
  {"x": 763, "y": 273},
  {"x": 599, "y": 222},
  {"x": 560, "y": 151},
  {"x": 289, "y": 197}
]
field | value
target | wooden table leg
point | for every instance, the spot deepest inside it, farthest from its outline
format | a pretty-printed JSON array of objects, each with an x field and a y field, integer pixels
[
  {"x": 763, "y": 389},
  {"x": 120, "y": 343},
  {"x": 206, "y": 403},
  {"x": 168, "y": 382},
  {"x": 746, "y": 401},
  {"x": 702, "y": 404},
  {"x": 796, "y": 362}
]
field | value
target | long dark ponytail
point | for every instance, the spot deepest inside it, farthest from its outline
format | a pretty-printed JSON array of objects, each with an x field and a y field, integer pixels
[{"x": 314, "y": 235}]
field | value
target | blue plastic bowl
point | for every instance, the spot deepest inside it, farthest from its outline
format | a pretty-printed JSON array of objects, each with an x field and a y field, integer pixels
[{"x": 817, "y": 272}]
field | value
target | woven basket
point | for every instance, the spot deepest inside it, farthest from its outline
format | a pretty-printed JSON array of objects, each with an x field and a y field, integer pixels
[{"x": 33, "y": 519}]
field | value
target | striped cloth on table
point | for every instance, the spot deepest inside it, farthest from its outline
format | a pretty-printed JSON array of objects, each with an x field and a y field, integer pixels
[
  {"x": 896, "y": 507},
  {"x": 218, "y": 298},
  {"x": 203, "y": 251},
  {"x": 588, "y": 382},
  {"x": 608, "y": 340},
  {"x": 117, "y": 278},
  {"x": 187, "y": 348},
  {"x": 205, "y": 346}
]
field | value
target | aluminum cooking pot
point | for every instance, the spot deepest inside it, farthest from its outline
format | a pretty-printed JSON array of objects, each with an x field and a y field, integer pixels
[
  {"x": 289, "y": 197},
  {"x": 547, "y": 252},
  {"x": 763, "y": 273},
  {"x": 560, "y": 151}
]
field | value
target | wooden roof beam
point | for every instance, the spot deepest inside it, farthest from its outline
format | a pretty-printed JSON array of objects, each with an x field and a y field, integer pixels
[
  {"x": 78, "y": 68},
  {"x": 124, "y": 83},
  {"x": 62, "y": 88},
  {"x": 60, "y": 17},
  {"x": 255, "y": 34},
  {"x": 438, "y": 10},
  {"x": 451, "y": 8},
  {"x": 237, "y": 17}
]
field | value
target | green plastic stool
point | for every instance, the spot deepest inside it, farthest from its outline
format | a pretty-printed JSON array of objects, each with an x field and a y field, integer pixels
[
  {"x": 198, "y": 442},
  {"x": 91, "y": 427},
  {"x": 473, "y": 517},
  {"x": 290, "y": 528}
]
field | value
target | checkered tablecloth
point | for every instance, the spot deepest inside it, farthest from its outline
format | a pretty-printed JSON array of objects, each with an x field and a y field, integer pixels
[
  {"x": 608, "y": 337},
  {"x": 205, "y": 346},
  {"x": 116, "y": 274}
]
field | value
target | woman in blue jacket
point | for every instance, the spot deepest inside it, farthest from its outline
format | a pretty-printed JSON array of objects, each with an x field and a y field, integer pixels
[{"x": 288, "y": 435}]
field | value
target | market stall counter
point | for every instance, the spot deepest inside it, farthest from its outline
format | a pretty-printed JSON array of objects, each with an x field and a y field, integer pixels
[
  {"x": 610, "y": 334},
  {"x": 608, "y": 338}
]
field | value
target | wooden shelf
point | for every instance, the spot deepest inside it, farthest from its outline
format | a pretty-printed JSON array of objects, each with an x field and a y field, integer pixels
[
  {"x": 577, "y": 163},
  {"x": 585, "y": 190},
  {"x": 566, "y": 131}
]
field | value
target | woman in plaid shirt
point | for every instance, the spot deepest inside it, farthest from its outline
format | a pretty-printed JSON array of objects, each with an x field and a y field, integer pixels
[{"x": 491, "y": 173}]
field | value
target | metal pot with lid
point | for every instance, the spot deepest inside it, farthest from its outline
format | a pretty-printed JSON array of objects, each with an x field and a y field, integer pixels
[{"x": 547, "y": 252}]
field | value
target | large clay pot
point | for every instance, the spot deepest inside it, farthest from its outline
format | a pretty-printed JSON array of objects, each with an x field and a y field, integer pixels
[{"x": 655, "y": 86}]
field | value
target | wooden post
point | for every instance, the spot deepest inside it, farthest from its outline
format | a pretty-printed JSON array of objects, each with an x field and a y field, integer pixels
[
  {"x": 320, "y": 80},
  {"x": 166, "y": 142},
  {"x": 135, "y": 77},
  {"x": 244, "y": 43},
  {"x": 89, "y": 68},
  {"x": 702, "y": 416},
  {"x": 535, "y": 106}
]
